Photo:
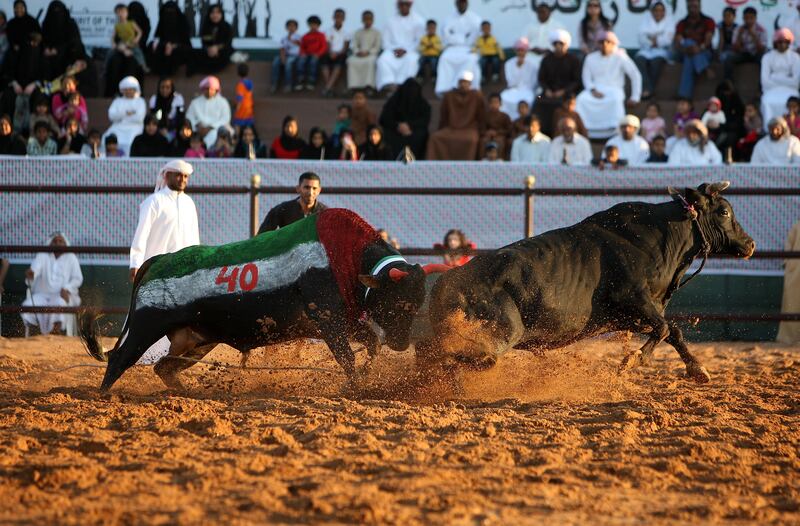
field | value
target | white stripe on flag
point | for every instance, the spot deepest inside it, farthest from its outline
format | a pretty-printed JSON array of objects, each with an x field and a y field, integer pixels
[{"x": 273, "y": 273}]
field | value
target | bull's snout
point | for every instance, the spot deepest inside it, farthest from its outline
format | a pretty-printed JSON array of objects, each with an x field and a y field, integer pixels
[{"x": 749, "y": 248}]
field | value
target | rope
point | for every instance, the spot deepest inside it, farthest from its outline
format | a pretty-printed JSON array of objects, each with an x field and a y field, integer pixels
[{"x": 214, "y": 364}]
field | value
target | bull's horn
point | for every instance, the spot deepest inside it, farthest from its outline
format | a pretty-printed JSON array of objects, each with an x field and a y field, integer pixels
[
  {"x": 715, "y": 188},
  {"x": 432, "y": 268},
  {"x": 396, "y": 274},
  {"x": 672, "y": 191}
]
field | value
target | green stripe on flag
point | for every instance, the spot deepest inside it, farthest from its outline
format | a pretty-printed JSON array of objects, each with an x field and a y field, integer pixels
[{"x": 263, "y": 246}]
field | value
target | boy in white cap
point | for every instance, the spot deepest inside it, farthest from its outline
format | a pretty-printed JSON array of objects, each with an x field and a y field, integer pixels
[
  {"x": 127, "y": 114},
  {"x": 601, "y": 104},
  {"x": 462, "y": 121},
  {"x": 632, "y": 147},
  {"x": 209, "y": 111},
  {"x": 521, "y": 72}
]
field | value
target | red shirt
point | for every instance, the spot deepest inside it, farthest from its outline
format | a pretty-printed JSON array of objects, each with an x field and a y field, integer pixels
[
  {"x": 279, "y": 152},
  {"x": 313, "y": 43},
  {"x": 696, "y": 29}
]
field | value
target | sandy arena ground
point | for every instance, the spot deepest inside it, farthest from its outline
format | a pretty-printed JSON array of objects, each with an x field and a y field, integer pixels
[{"x": 559, "y": 439}]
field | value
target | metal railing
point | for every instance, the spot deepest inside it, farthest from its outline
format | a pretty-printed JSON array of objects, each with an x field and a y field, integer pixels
[{"x": 528, "y": 192}]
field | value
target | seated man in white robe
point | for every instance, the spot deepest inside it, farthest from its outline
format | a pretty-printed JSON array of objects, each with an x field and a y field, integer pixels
[
  {"x": 631, "y": 146},
  {"x": 209, "y": 111},
  {"x": 780, "y": 75},
  {"x": 521, "y": 73},
  {"x": 570, "y": 148},
  {"x": 779, "y": 147},
  {"x": 539, "y": 33},
  {"x": 458, "y": 36},
  {"x": 694, "y": 149},
  {"x": 126, "y": 114},
  {"x": 601, "y": 104},
  {"x": 399, "y": 60},
  {"x": 54, "y": 279}
]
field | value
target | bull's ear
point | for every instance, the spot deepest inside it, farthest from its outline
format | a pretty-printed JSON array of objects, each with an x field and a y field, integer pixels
[
  {"x": 369, "y": 281},
  {"x": 714, "y": 189},
  {"x": 697, "y": 198}
]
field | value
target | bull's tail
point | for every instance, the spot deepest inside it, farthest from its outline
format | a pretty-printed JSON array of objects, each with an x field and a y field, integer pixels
[{"x": 90, "y": 335}]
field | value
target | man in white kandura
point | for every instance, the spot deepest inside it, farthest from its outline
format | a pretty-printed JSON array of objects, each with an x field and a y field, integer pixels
[
  {"x": 209, "y": 111},
  {"x": 601, "y": 104},
  {"x": 694, "y": 149},
  {"x": 539, "y": 33},
  {"x": 459, "y": 34},
  {"x": 779, "y": 147},
  {"x": 54, "y": 279},
  {"x": 533, "y": 146},
  {"x": 780, "y": 75},
  {"x": 399, "y": 60},
  {"x": 632, "y": 146},
  {"x": 521, "y": 73},
  {"x": 167, "y": 223},
  {"x": 570, "y": 148}
]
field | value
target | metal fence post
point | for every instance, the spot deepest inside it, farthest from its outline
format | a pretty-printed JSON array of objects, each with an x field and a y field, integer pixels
[
  {"x": 529, "y": 182},
  {"x": 255, "y": 184}
]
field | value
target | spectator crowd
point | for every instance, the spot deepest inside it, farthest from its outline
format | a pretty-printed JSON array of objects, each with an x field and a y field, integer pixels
[{"x": 557, "y": 97}]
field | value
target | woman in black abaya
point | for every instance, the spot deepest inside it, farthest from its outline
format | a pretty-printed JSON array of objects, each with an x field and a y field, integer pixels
[
  {"x": 171, "y": 46},
  {"x": 405, "y": 118},
  {"x": 217, "y": 36}
]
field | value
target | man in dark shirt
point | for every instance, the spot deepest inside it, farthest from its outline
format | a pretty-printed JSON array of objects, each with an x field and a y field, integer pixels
[
  {"x": 693, "y": 45},
  {"x": 309, "y": 187}
]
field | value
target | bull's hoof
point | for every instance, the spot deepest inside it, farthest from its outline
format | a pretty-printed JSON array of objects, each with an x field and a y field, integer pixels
[
  {"x": 478, "y": 363},
  {"x": 698, "y": 373},
  {"x": 631, "y": 360}
]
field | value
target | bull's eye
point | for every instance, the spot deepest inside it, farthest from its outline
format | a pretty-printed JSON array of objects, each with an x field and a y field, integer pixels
[{"x": 724, "y": 212}]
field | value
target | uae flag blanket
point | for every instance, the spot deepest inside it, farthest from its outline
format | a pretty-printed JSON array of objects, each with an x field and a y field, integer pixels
[{"x": 335, "y": 238}]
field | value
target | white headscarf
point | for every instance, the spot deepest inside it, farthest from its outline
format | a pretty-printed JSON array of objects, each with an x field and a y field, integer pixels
[
  {"x": 130, "y": 82},
  {"x": 561, "y": 35},
  {"x": 176, "y": 165}
]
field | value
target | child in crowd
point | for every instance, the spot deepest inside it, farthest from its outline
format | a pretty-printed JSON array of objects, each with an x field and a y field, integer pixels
[
  {"x": 610, "y": 159},
  {"x": 4, "y": 45},
  {"x": 41, "y": 113},
  {"x": 498, "y": 126},
  {"x": 223, "y": 147},
  {"x": 71, "y": 140},
  {"x": 753, "y": 124},
  {"x": 653, "y": 123},
  {"x": 127, "y": 34},
  {"x": 714, "y": 118},
  {"x": 491, "y": 53},
  {"x": 112, "y": 147},
  {"x": 335, "y": 58},
  {"x": 92, "y": 148},
  {"x": 684, "y": 113},
  {"x": 75, "y": 110},
  {"x": 430, "y": 47},
  {"x": 40, "y": 142},
  {"x": 286, "y": 58},
  {"x": 567, "y": 109},
  {"x": 343, "y": 122},
  {"x": 197, "y": 149},
  {"x": 492, "y": 152},
  {"x": 793, "y": 115},
  {"x": 726, "y": 29},
  {"x": 243, "y": 116},
  {"x": 658, "y": 150},
  {"x": 313, "y": 46},
  {"x": 520, "y": 128}
]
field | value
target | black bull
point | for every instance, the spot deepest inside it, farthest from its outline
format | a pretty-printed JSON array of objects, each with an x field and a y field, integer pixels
[
  {"x": 311, "y": 308},
  {"x": 614, "y": 271}
]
